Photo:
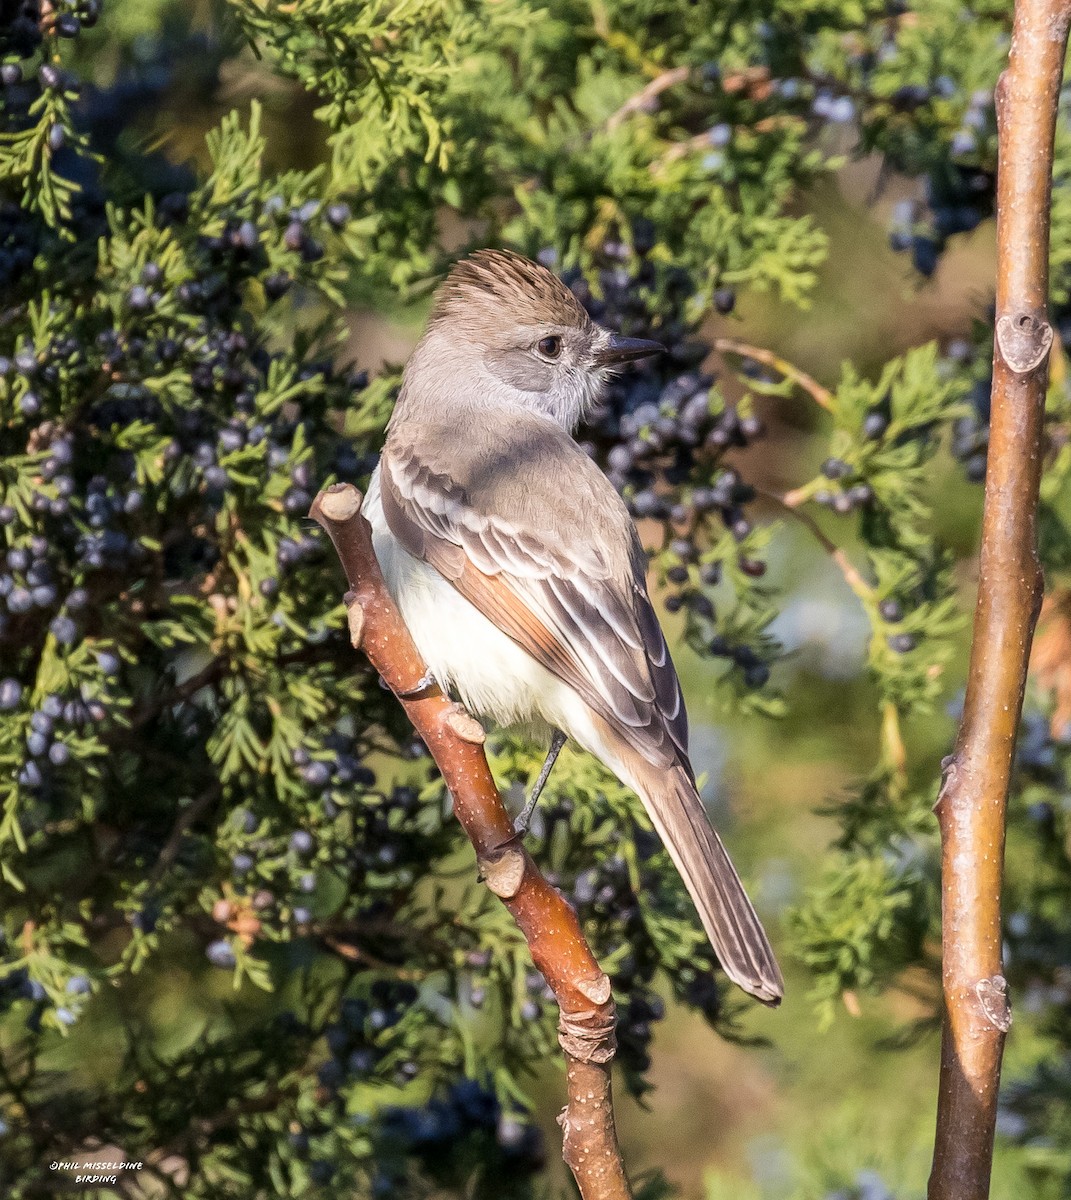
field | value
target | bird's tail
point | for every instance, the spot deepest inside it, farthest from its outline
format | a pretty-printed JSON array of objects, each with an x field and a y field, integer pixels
[{"x": 735, "y": 932}]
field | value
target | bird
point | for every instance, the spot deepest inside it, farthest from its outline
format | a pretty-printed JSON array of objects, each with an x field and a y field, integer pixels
[{"x": 519, "y": 572}]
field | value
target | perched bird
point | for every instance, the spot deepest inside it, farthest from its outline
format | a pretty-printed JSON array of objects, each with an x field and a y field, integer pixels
[{"x": 520, "y": 574}]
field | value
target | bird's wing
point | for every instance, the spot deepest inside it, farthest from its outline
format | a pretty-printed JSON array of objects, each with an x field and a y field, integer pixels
[{"x": 528, "y": 529}]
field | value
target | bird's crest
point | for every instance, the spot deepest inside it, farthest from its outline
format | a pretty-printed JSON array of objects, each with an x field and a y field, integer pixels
[{"x": 500, "y": 283}]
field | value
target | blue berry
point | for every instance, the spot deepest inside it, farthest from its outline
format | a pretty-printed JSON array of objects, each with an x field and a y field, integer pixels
[
  {"x": 874, "y": 425},
  {"x": 30, "y": 775},
  {"x": 317, "y": 774},
  {"x": 246, "y": 236},
  {"x": 138, "y": 299},
  {"x": 724, "y": 302},
  {"x": 41, "y": 722},
  {"x": 841, "y": 110},
  {"x": 277, "y": 285},
  {"x": 108, "y": 662},
  {"x": 963, "y": 144},
  {"x": 337, "y": 214},
  {"x": 221, "y": 953},
  {"x": 361, "y": 1061},
  {"x": 925, "y": 254},
  {"x": 301, "y": 842},
  {"x": 975, "y": 468},
  {"x": 64, "y": 630}
]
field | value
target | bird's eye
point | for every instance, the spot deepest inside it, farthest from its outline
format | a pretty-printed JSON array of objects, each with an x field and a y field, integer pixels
[{"x": 550, "y": 347}]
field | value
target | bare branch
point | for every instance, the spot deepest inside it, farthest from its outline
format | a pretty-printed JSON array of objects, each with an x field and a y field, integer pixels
[
  {"x": 646, "y": 96},
  {"x": 972, "y": 804},
  {"x": 819, "y": 394},
  {"x": 586, "y": 1028}
]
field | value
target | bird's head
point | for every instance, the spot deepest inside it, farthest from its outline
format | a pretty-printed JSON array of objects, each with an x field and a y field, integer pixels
[{"x": 504, "y": 323}]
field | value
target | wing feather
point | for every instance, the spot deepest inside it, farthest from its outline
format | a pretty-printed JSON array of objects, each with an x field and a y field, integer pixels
[{"x": 549, "y": 589}]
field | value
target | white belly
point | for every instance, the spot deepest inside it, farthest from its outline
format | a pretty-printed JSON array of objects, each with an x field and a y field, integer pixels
[{"x": 469, "y": 655}]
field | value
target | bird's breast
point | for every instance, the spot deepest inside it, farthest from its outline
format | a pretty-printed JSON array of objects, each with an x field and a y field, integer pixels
[{"x": 468, "y": 655}]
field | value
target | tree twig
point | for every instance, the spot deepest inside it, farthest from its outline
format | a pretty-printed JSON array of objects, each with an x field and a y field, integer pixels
[
  {"x": 972, "y": 804},
  {"x": 183, "y": 823},
  {"x": 819, "y": 394},
  {"x": 642, "y": 100},
  {"x": 892, "y": 741},
  {"x": 586, "y": 1027}
]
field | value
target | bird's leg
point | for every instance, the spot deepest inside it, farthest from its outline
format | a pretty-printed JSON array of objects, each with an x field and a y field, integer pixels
[{"x": 557, "y": 740}]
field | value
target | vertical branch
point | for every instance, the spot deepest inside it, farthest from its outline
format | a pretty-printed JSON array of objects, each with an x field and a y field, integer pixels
[
  {"x": 971, "y": 807},
  {"x": 586, "y": 1028}
]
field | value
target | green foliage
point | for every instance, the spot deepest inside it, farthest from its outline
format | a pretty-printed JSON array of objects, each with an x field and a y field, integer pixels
[
  {"x": 383, "y": 66},
  {"x": 857, "y": 931}
]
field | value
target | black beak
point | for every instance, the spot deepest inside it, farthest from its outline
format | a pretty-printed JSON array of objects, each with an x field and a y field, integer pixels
[{"x": 625, "y": 349}]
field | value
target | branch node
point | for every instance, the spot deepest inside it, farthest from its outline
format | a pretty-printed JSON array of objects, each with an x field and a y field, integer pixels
[
  {"x": 340, "y": 502},
  {"x": 1024, "y": 341},
  {"x": 589, "y": 1036},
  {"x": 949, "y": 772},
  {"x": 354, "y": 619},
  {"x": 504, "y": 872},
  {"x": 993, "y": 996},
  {"x": 597, "y": 990},
  {"x": 467, "y": 728}
]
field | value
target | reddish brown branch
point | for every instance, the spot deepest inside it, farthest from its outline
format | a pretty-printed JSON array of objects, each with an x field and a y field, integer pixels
[
  {"x": 973, "y": 801},
  {"x": 648, "y": 95},
  {"x": 587, "y": 1023},
  {"x": 819, "y": 394}
]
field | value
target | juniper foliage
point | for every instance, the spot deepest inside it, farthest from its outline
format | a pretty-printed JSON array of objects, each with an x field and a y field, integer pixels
[{"x": 199, "y": 781}]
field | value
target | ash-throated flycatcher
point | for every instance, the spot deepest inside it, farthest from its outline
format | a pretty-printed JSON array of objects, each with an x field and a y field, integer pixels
[{"x": 519, "y": 572}]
